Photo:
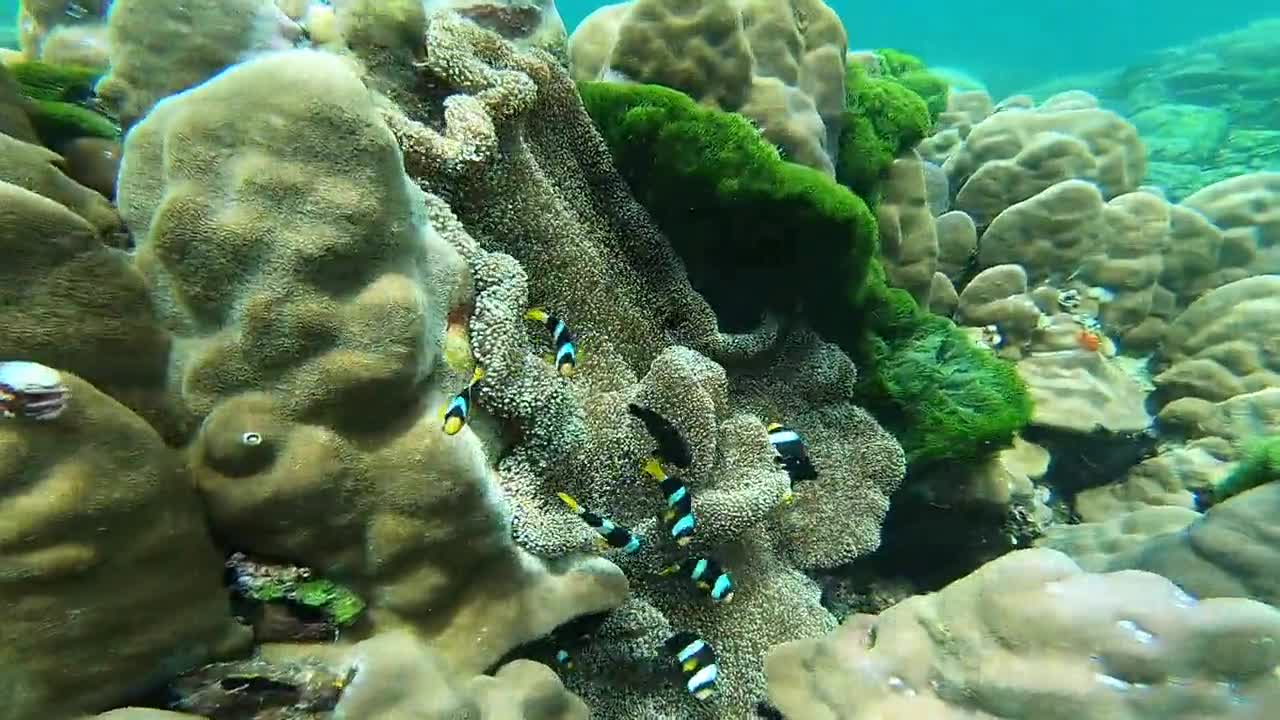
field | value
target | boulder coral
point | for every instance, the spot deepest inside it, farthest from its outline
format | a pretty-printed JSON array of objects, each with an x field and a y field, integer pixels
[
  {"x": 780, "y": 64},
  {"x": 308, "y": 298},
  {"x": 1031, "y": 635},
  {"x": 205, "y": 37},
  {"x": 81, "y": 578}
]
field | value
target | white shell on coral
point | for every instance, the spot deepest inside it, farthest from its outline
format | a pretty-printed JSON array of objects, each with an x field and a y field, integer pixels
[{"x": 23, "y": 376}]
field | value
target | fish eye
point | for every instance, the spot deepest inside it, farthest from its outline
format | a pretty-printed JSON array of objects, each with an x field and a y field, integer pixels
[{"x": 251, "y": 439}]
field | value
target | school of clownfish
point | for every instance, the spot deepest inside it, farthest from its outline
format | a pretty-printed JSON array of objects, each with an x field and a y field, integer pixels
[{"x": 694, "y": 657}]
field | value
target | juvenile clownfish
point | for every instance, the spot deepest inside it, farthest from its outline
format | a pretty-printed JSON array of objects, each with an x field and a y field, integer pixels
[
  {"x": 564, "y": 659},
  {"x": 790, "y": 452},
  {"x": 697, "y": 662},
  {"x": 679, "y": 514},
  {"x": 455, "y": 414},
  {"x": 611, "y": 534},
  {"x": 707, "y": 574},
  {"x": 671, "y": 444},
  {"x": 566, "y": 351}
]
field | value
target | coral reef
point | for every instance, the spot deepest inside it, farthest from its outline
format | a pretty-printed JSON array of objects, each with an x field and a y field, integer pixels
[
  {"x": 316, "y": 372},
  {"x": 1033, "y": 631},
  {"x": 780, "y": 64},
  {"x": 592, "y": 257}
]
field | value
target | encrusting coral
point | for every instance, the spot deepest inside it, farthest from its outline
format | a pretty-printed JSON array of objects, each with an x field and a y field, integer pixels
[
  {"x": 308, "y": 299},
  {"x": 1031, "y": 635},
  {"x": 591, "y": 256}
]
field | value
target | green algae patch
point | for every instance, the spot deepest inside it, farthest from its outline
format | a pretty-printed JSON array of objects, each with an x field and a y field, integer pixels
[
  {"x": 942, "y": 396},
  {"x": 61, "y": 96},
  {"x": 1260, "y": 465},
  {"x": 57, "y": 122},
  {"x": 62, "y": 83},
  {"x": 755, "y": 231},
  {"x": 336, "y": 602},
  {"x": 883, "y": 118}
]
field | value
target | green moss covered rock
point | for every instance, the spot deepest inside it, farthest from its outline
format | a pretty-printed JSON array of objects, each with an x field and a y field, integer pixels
[
  {"x": 883, "y": 118},
  {"x": 945, "y": 398},
  {"x": 63, "y": 83},
  {"x": 60, "y": 97},
  {"x": 755, "y": 232},
  {"x": 1260, "y": 465}
]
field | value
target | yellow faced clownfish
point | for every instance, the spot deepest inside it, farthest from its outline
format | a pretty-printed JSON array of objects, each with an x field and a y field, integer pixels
[
  {"x": 697, "y": 662},
  {"x": 455, "y": 414},
  {"x": 707, "y": 574},
  {"x": 790, "y": 452},
  {"x": 611, "y": 534},
  {"x": 679, "y": 514},
  {"x": 566, "y": 351}
]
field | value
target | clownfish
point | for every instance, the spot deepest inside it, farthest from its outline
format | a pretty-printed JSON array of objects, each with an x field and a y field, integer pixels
[
  {"x": 611, "y": 534},
  {"x": 679, "y": 514},
  {"x": 566, "y": 359},
  {"x": 671, "y": 444},
  {"x": 697, "y": 662},
  {"x": 455, "y": 414},
  {"x": 707, "y": 574},
  {"x": 790, "y": 452}
]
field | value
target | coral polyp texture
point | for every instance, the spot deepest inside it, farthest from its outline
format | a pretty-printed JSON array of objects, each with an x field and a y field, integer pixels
[
  {"x": 779, "y": 64},
  {"x": 589, "y": 253},
  {"x": 1031, "y": 635}
]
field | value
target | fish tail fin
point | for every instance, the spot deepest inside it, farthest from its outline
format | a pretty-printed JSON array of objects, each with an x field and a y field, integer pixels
[
  {"x": 536, "y": 314},
  {"x": 573, "y": 504},
  {"x": 669, "y": 570},
  {"x": 773, "y": 426},
  {"x": 653, "y": 469},
  {"x": 477, "y": 375}
]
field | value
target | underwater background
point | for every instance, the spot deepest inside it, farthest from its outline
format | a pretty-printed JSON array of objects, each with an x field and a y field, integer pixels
[
  {"x": 685, "y": 360},
  {"x": 1013, "y": 46}
]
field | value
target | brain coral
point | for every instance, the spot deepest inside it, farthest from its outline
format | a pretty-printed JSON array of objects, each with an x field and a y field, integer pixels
[
  {"x": 780, "y": 64},
  {"x": 588, "y": 252},
  {"x": 308, "y": 299},
  {"x": 1031, "y": 635}
]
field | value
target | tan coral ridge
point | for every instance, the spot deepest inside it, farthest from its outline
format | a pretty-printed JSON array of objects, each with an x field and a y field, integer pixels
[
  {"x": 590, "y": 255},
  {"x": 780, "y": 64},
  {"x": 1031, "y": 635}
]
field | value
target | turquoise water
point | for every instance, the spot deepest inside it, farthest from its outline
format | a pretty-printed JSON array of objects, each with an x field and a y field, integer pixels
[{"x": 1015, "y": 45}]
